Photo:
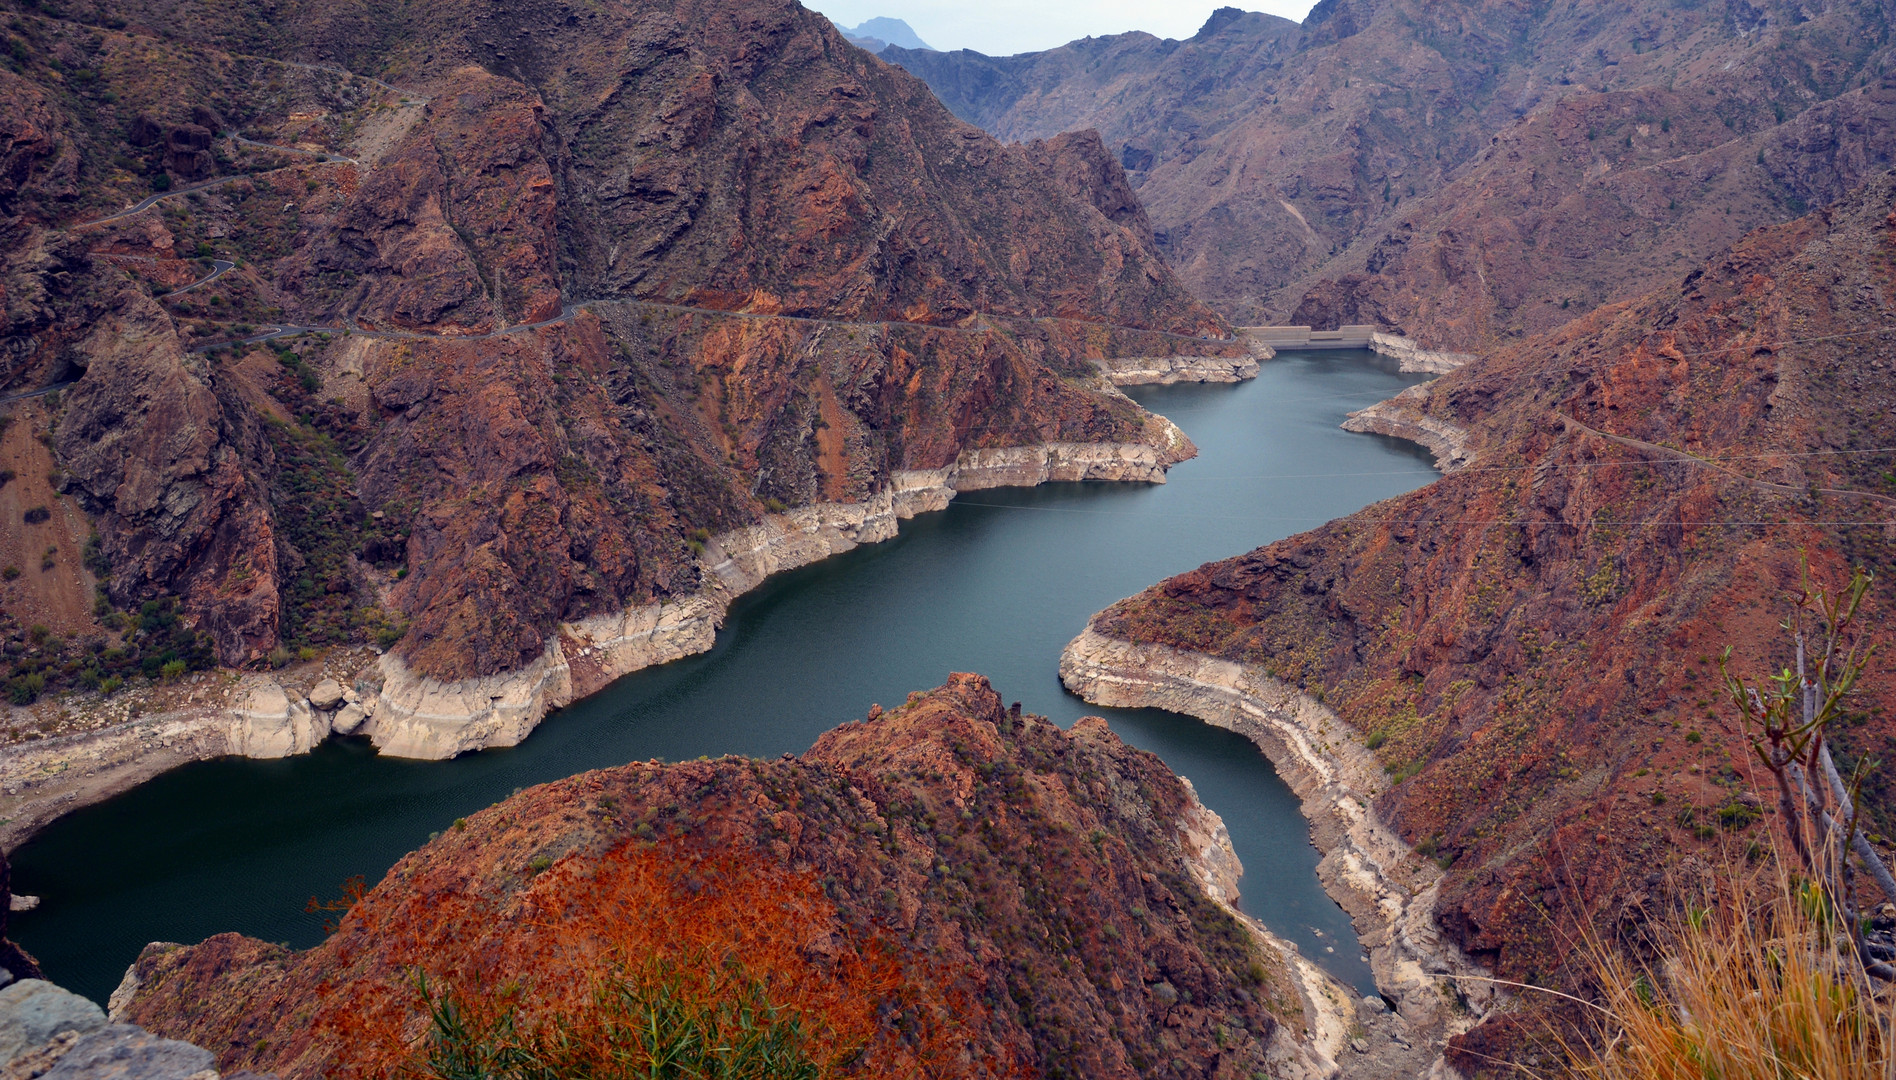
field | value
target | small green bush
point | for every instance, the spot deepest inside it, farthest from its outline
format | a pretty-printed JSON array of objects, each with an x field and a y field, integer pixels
[
  {"x": 26, "y": 689},
  {"x": 661, "y": 1021}
]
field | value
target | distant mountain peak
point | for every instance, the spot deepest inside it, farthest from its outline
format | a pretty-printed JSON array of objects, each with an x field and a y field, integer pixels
[
  {"x": 1220, "y": 19},
  {"x": 880, "y": 32}
]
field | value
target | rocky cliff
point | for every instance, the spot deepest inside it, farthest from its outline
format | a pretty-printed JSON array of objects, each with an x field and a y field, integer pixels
[
  {"x": 950, "y": 888},
  {"x": 558, "y": 294},
  {"x": 1464, "y": 174},
  {"x": 1528, "y": 646}
]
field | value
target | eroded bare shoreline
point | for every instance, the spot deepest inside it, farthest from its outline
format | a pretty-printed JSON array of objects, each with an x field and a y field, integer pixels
[
  {"x": 406, "y": 714},
  {"x": 1389, "y": 892}
]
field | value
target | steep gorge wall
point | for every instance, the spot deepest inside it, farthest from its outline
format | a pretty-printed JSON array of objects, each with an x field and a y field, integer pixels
[
  {"x": 1526, "y": 648},
  {"x": 581, "y": 289}
]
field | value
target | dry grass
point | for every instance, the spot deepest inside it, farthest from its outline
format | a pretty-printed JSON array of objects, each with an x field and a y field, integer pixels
[{"x": 1756, "y": 984}]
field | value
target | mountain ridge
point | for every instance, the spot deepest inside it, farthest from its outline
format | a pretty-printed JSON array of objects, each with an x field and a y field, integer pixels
[{"x": 1333, "y": 171}]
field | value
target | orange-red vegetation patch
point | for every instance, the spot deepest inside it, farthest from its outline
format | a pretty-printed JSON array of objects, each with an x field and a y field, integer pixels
[{"x": 543, "y": 951}]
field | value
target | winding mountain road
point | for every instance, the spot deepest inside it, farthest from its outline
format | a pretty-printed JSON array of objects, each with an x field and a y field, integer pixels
[
  {"x": 570, "y": 310},
  {"x": 218, "y": 269},
  {"x": 41, "y": 392}
]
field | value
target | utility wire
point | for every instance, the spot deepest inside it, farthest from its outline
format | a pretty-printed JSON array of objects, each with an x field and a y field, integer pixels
[
  {"x": 1318, "y": 517},
  {"x": 1685, "y": 458}
]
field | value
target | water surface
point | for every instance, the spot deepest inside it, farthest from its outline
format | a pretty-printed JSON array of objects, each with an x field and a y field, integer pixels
[{"x": 998, "y": 584}]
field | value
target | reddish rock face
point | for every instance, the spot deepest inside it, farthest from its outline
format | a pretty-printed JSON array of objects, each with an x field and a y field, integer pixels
[
  {"x": 801, "y": 275},
  {"x": 1531, "y": 642},
  {"x": 1466, "y": 173},
  {"x": 1597, "y": 199},
  {"x": 961, "y": 890}
]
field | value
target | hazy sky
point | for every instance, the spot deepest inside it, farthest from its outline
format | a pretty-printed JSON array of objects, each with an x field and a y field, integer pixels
[{"x": 1001, "y": 27}]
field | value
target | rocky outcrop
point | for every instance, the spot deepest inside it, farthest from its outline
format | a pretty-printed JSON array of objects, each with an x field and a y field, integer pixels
[
  {"x": 15, "y": 962},
  {"x": 1405, "y": 417},
  {"x": 970, "y": 889},
  {"x": 1413, "y": 358},
  {"x": 265, "y": 723},
  {"x": 1166, "y": 370},
  {"x": 1526, "y": 650},
  {"x": 1388, "y": 890},
  {"x": 419, "y": 717}
]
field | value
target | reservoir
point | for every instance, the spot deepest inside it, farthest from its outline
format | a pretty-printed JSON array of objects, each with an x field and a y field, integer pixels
[{"x": 998, "y": 584}]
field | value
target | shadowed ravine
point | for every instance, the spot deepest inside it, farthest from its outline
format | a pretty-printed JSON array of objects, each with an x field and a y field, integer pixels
[{"x": 996, "y": 584}]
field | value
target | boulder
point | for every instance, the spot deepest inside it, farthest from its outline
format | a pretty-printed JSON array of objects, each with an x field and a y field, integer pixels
[
  {"x": 265, "y": 723},
  {"x": 33, "y": 1011},
  {"x": 349, "y": 720},
  {"x": 129, "y": 1052},
  {"x": 327, "y": 695}
]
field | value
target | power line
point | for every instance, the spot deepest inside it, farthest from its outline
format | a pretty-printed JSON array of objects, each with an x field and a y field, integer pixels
[
  {"x": 1685, "y": 458},
  {"x": 1320, "y": 519}
]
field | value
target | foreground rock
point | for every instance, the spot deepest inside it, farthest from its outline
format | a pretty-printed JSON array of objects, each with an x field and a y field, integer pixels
[
  {"x": 1023, "y": 899},
  {"x": 1513, "y": 670},
  {"x": 51, "y": 1033}
]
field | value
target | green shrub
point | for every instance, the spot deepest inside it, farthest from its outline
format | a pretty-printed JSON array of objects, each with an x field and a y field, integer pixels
[
  {"x": 26, "y": 689},
  {"x": 661, "y": 1022}
]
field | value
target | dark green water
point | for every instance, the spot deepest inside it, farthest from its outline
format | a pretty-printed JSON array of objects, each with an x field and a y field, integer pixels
[{"x": 998, "y": 583}]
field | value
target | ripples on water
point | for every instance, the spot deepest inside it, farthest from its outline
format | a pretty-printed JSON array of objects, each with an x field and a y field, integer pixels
[{"x": 998, "y": 583}]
